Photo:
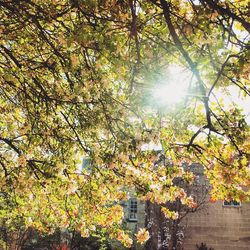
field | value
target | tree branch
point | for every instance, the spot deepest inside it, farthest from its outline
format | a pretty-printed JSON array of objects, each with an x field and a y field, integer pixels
[
  {"x": 166, "y": 11},
  {"x": 226, "y": 11}
]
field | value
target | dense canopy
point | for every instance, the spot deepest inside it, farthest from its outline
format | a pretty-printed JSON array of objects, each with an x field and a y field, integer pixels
[{"x": 78, "y": 81}]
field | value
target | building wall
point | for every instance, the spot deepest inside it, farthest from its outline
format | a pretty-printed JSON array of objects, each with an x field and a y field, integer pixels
[
  {"x": 134, "y": 226},
  {"x": 220, "y": 227}
]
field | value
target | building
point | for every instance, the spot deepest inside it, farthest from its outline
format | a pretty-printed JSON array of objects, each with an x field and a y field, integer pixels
[{"x": 220, "y": 225}]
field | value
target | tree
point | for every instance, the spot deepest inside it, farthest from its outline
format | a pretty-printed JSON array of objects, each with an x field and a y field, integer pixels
[
  {"x": 31, "y": 239},
  {"x": 169, "y": 233},
  {"x": 76, "y": 81}
]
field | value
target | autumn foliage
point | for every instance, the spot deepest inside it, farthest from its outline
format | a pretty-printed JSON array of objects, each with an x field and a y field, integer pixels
[{"x": 77, "y": 80}]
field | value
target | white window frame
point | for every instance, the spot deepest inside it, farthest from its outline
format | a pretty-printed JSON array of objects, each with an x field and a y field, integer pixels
[
  {"x": 132, "y": 209},
  {"x": 232, "y": 203}
]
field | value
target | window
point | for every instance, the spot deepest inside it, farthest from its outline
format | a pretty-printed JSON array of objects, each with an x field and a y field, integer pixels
[
  {"x": 84, "y": 166},
  {"x": 232, "y": 203},
  {"x": 132, "y": 210},
  {"x": 86, "y": 163}
]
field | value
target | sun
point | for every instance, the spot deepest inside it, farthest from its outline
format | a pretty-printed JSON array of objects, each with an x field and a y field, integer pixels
[{"x": 174, "y": 88}]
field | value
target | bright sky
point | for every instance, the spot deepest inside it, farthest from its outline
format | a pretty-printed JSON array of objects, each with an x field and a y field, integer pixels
[
  {"x": 233, "y": 96},
  {"x": 175, "y": 88}
]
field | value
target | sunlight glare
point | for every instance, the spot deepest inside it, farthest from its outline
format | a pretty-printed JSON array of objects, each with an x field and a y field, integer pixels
[{"x": 174, "y": 88}]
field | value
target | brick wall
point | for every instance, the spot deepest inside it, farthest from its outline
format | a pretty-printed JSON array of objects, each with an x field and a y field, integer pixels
[{"x": 220, "y": 227}]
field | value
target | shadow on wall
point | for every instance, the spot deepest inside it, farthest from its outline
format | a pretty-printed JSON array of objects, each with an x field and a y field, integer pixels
[{"x": 203, "y": 246}]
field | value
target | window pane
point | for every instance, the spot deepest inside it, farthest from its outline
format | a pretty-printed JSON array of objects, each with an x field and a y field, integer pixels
[
  {"x": 132, "y": 209},
  {"x": 231, "y": 203}
]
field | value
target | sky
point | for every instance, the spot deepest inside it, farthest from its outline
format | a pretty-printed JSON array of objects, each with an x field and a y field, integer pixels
[{"x": 175, "y": 88}]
